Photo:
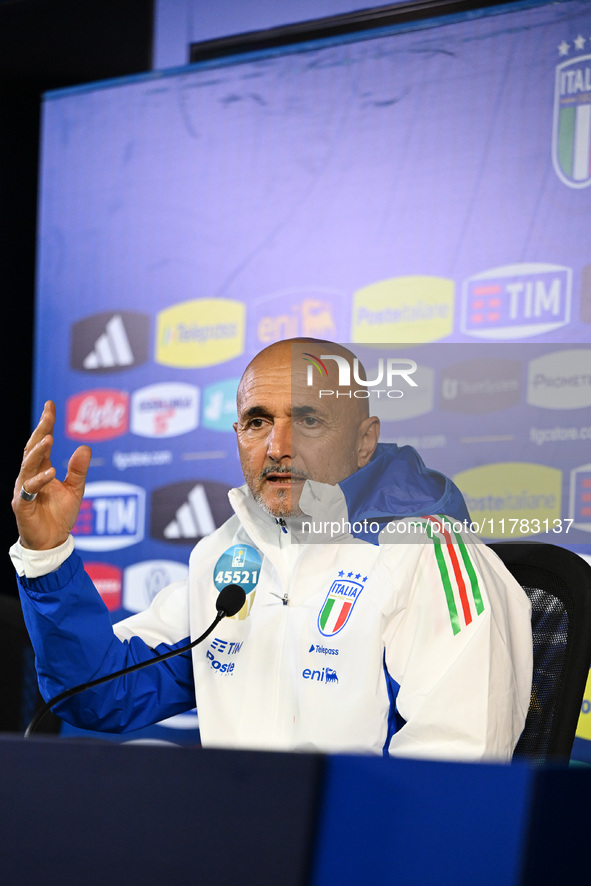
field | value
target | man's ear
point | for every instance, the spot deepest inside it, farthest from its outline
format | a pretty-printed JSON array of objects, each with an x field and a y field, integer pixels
[{"x": 367, "y": 439}]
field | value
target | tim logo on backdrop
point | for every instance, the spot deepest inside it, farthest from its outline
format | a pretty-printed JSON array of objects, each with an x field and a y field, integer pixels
[
  {"x": 571, "y": 135},
  {"x": 517, "y": 301},
  {"x": 111, "y": 516}
]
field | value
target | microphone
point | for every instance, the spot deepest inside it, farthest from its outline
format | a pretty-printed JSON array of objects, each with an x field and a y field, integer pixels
[{"x": 230, "y": 601}]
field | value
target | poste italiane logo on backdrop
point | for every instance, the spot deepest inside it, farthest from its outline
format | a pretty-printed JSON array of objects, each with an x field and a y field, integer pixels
[
  {"x": 403, "y": 309},
  {"x": 497, "y": 494},
  {"x": 571, "y": 133},
  {"x": 201, "y": 332},
  {"x": 516, "y": 301},
  {"x": 310, "y": 312}
]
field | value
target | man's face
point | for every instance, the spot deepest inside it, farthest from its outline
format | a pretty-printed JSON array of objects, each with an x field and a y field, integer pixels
[{"x": 287, "y": 434}]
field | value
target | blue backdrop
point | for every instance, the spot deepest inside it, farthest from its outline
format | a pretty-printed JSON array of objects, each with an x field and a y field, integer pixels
[{"x": 423, "y": 186}]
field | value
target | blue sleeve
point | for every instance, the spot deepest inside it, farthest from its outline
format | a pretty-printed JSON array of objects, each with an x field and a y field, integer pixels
[{"x": 70, "y": 629}]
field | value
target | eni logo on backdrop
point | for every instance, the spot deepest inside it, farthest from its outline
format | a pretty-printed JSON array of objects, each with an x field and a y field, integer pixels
[
  {"x": 201, "y": 332},
  {"x": 403, "y": 309}
]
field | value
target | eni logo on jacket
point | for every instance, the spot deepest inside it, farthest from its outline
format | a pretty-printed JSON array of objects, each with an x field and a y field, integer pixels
[{"x": 338, "y": 605}]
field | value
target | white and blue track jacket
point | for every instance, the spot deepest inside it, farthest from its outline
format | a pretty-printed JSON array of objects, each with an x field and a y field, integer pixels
[{"x": 405, "y": 635}]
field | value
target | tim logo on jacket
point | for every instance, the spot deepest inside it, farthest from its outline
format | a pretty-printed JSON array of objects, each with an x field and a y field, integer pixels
[{"x": 338, "y": 605}]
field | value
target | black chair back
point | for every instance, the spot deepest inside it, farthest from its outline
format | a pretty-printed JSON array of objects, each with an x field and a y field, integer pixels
[{"x": 558, "y": 584}]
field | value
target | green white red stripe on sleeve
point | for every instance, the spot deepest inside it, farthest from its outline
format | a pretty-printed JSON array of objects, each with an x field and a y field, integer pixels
[{"x": 457, "y": 572}]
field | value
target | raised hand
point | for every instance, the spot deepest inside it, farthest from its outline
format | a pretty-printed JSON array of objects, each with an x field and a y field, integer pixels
[{"x": 45, "y": 521}]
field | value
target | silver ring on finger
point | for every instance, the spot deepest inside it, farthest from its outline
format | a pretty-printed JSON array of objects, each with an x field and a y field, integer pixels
[{"x": 27, "y": 496}]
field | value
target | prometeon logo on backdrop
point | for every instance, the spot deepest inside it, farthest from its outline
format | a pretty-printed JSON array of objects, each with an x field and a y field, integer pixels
[
  {"x": 517, "y": 301},
  {"x": 351, "y": 384},
  {"x": 110, "y": 342},
  {"x": 571, "y": 133},
  {"x": 560, "y": 380},
  {"x": 201, "y": 332},
  {"x": 111, "y": 516}
]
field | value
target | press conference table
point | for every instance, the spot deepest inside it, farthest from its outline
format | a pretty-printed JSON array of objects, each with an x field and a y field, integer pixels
[{"x": 76, "y": 812}]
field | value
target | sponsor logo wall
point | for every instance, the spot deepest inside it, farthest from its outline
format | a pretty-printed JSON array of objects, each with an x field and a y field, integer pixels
[{"x": 426, "y": 188}]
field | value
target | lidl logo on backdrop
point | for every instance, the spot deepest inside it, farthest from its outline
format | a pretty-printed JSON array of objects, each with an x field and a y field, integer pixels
[
  {"x": 403, "y": 309},
  {"x": 571, "y": 135},
  {"x": 517, "y": 301},
  {"x": 499, "y": 494},
  {"x": 560, "y": 380},
  {"x": 202, "y": 332}
]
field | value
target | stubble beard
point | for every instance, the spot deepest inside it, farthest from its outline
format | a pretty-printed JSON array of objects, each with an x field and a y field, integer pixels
[{"x": 281, "y": 509}]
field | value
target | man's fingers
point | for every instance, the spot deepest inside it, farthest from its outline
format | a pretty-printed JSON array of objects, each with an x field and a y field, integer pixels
[
  {"x": 37, "y": 460},
  {"x": 35, "y": 484},
  {"x": 45, "y": 426},
  {"x": 78, "y": 468}
]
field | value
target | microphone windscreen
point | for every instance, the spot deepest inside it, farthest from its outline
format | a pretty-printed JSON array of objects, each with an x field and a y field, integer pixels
[{"x": 230, "y": 600}]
